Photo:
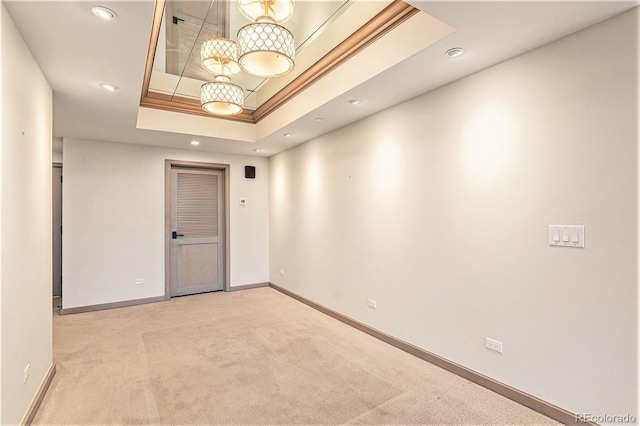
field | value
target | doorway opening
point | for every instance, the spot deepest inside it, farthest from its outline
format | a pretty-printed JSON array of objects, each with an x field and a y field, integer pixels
[{"x": 57, "y": 236}]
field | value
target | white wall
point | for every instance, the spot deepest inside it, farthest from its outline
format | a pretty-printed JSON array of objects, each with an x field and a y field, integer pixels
[
  {"x": 438, "y": 209},
  {"x": 25, "y": 224},
  {"x": 113, "y": 220}
]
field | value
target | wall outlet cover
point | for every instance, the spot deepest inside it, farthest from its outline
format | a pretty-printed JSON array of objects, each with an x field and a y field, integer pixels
[{"x": 494, "y": 345}]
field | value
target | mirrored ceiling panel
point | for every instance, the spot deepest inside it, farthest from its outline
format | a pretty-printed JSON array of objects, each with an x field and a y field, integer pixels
[{"x": 177, "y": 73}]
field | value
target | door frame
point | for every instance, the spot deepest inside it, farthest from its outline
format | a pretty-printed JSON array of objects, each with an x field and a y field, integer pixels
[{"x": 226, "y": 238}]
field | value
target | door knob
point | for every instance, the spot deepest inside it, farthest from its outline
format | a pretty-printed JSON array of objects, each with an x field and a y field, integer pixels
[{"x": 174, "y": 235}]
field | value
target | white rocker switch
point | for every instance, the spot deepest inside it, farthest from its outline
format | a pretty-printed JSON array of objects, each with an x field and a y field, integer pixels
[{"x": 566, "y": 235}]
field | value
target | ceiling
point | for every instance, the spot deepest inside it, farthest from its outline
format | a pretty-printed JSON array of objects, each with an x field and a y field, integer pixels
[{"x": 77, "y": 52}]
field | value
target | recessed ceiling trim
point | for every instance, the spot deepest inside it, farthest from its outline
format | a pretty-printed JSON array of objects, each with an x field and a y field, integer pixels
[
  {"x": 104, "y": 13},
  {"x": 151, "y": 51},
  {"x": 389, "y": 18},
  {"x": 188, "y": 106}
]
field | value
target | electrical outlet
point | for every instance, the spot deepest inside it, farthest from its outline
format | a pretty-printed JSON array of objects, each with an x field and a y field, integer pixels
[
  {"x": 282, "y": 272},
  {"x": 139, "y": 281},
  {"x": 494, "y": 345},
  {"x": 25, "y": 373},
  {"x": 372, "y": 304}
]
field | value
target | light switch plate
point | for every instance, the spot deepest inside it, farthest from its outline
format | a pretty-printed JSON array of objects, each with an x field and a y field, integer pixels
[{"x": 566, "y": 235}]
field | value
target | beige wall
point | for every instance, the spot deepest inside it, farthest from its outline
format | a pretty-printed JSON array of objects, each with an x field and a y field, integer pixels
[
  {"x": 438, "y": 209},
  {"x": 25, "y": 225},
  {"x": 113, "y": 220}
]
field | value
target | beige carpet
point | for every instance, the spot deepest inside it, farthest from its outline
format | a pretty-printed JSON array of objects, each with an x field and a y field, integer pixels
[{"x": 249, "y": 357}]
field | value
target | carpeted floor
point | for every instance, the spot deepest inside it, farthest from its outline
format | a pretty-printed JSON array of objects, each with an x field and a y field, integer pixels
[{"x": 249, "y": 357}]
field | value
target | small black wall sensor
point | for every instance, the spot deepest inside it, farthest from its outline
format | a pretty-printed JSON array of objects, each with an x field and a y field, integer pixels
[{"x": 250, "y": 172}]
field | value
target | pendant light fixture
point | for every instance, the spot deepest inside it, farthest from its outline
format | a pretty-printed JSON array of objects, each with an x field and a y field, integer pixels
[
  {"x": 265, "y": 48},
  {"x": 221, "y": 96}
]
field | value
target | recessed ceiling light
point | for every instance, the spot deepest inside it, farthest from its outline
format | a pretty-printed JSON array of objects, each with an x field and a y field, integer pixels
[
  {"x": 256, "y": 150},
  {"x": 195, "y": 143},
  {"x": 354, "y": 101},
  {"x": 104, "y": 13},
  {"x": 319, "y": 119},
  {"x": 286, "y": 135},
  {"x": 109, "y": 87},
  {"x": 455, "y": 52}
]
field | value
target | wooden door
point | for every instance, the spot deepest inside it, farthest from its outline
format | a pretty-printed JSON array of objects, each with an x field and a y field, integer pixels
[
  {"x": 57, "y": 230},
  {"x": 197, "y": 234}
]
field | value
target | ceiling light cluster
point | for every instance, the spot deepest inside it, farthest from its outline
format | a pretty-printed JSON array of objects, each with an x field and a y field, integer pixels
[
  {"x": 221, "y": 96},
  {"x": 264, "y": 49}
]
